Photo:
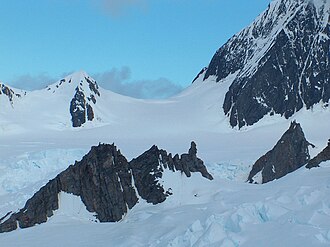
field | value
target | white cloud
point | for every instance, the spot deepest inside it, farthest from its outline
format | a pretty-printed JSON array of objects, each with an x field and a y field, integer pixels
[
  {"x": 118, "y": 80},
  {"x": 32, "y": 82}
]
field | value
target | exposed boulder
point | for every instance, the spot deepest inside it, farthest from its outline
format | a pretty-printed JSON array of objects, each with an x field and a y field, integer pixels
[
  {"x": 324, "y": 155},
  {"x": 290, "y": 153}
]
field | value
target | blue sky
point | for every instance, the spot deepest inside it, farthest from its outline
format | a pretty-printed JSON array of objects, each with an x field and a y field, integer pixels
[{"x": 130, "y": 46}]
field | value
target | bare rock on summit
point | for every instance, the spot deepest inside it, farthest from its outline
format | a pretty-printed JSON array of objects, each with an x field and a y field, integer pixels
[{"x": 289, "y": 154}]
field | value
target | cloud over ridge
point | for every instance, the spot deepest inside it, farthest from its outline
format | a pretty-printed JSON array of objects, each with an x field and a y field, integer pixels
[{"x": 118, "y": 81}]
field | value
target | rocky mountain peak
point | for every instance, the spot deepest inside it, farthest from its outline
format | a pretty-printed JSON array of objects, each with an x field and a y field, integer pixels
[
  {"x": 79, "y": 80},
  {"x": 83, "y": 91},
  {"x": 290, "y": 153},
  {"x": 281, "y": 61}
]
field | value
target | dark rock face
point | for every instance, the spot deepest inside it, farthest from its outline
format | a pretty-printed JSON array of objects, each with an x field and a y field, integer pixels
[
  {"x": 78, "y": 109},
  {"x": 280, "y": 68},
  {"x": 103, "y": 180},
  {"x": 324, "y": 155},
  {"x": 149, "y": 167},
  {"x": 90, "y": 113},
  {"x": 81, "y": 109},
  {"x": 36, "y": 209},
  {"x": 289, "y": 154}
]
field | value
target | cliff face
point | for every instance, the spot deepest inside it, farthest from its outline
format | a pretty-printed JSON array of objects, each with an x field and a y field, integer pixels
[
  {"x": 289, "y": 154},
  {"x": 103, "y": 180},
  {"x": 281, "y": 60}
]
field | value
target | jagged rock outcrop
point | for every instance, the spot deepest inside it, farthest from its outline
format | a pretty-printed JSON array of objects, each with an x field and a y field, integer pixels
[
  {"x": 81, "y": 109},
  {"x": 324, "y": 155},
  {"x": 149, "y": 167},
  {"x": 103, "y": 180},
  {"x": 281, "y": 60},
  {"x": 78, "y": 109},
  {"x": 289, "y": 154}
]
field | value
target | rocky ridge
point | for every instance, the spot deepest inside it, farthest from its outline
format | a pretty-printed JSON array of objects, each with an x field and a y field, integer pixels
[
  {"x": 103, "y": 180},
  {"x": 290, "y": 153}
]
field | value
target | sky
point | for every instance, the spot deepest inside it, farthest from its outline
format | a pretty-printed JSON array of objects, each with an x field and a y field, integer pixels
[{"x": 140, "y": 48}]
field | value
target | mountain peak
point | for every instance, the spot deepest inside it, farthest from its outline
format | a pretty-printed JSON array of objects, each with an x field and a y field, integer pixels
[
  {"x": 281, "y": 61},
  {"x": 83, "y": 91},
  {"x": 79, "y": 74},
  {"x": 78, "y": 79}
]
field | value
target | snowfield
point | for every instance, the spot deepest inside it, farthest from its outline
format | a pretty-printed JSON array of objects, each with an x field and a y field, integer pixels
[
  {"x": 36, "y": 143},
  {"x": 293, "y": 211}
]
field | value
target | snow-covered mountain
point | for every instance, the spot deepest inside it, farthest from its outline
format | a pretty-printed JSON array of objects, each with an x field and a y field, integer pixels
[
  {"x": 73, "y": 101},
  {"x": 281, "y": 62},
  {"x": 86, "y": 91},
  {"x": 254, "y": 74}
]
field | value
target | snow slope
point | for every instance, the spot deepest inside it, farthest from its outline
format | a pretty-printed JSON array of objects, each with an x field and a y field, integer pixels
[
  {"x": 293, "y": 211},
  {"x": 223, "y": 212}
]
